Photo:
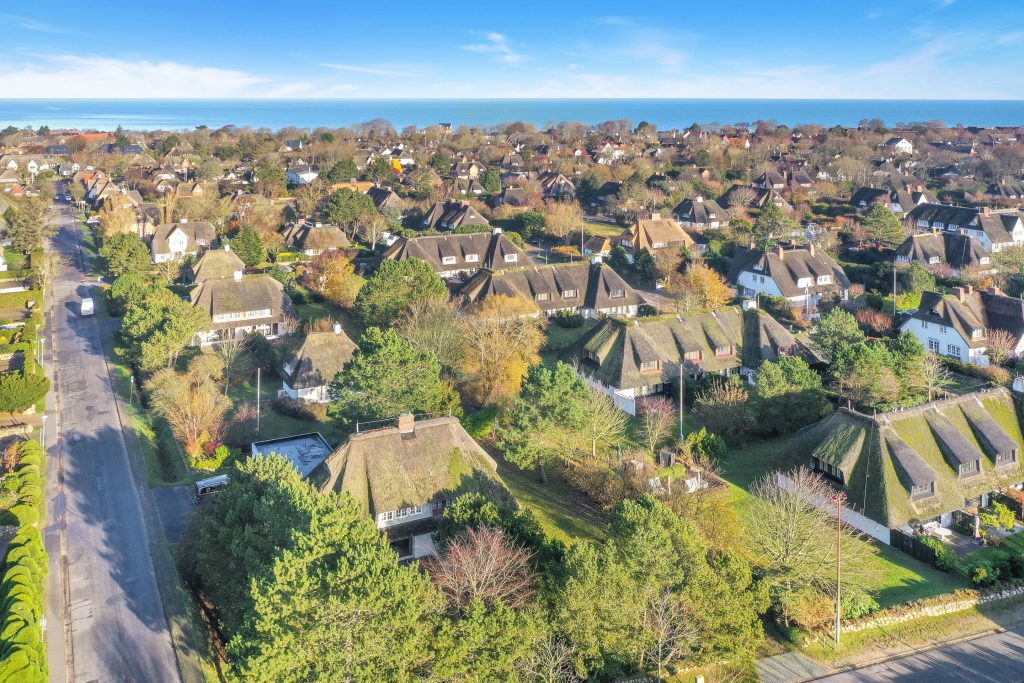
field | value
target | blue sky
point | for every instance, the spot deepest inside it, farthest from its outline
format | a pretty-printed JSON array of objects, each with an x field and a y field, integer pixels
[{"x": 902, "y": 49}]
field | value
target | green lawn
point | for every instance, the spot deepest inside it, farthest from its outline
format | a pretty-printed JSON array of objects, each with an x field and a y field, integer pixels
[
  {"x": 273, "y": 424},
  {"x": 1012, "y": 545},
  {"x": 603, "y": 229},
  {"x": 898, "y": 577},
  {"x": 554, "y": 504}
]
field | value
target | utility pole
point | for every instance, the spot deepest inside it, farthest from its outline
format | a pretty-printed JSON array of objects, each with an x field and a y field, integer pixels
[
  {"x": 258, "y": 371},
  {"x": 839, "y": 498},
  {"x": 131, "y": 389},
  {"x": 681, "y": 360},
  {"x": 894, "y": 289}
]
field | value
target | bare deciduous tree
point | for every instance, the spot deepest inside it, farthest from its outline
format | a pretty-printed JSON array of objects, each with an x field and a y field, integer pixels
[
  {"x": 482, "y": 564},
  {"x": 657, "y": 415},
  {"x": 794, "y": 537},
  {"x": 605, "y": 423},
  {"x": 231, "y": 353},
  {"x": 435, "y": 325},
  {"x": 552, "y": 662},
  {"x": 1001, "y": 344},
  {"x": 49, "y": 268},
  {"x": 670, "y": 634},
  {"x": 935, "y": 375}
]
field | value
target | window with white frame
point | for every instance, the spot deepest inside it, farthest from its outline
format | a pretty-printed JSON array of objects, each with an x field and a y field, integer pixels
[
  {"x": 472, "y": 258},
  {"x": 924, "y": 324},
  {"x": 977, "y": 334},
  {"x": 724, "y": 351},
  {"x": 1006, "y": 458},
  {"x": 569, "y": 294},
  {"x": 933, "y": 260},
  {"x": 933, "y": 345},
  {"x": 953, "y": 350},
  {"x": 617, "y": 294},
  {"x": 448, "y": 260},
  {"x": 824, "y": 279},
  {"x": 543, "y": 296},
  {"x": 511, "y": 258},
  {"x": 650, "y": 366},
  {"x": 694, "y": 356}
]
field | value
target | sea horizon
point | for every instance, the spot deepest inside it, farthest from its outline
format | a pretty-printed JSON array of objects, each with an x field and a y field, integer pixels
[{"x": 186, "y": 114}]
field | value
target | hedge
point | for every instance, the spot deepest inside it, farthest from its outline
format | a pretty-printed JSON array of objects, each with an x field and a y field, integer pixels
[
  {"x": 19, "y": 299},
  {"x": 22, "y": 648}
]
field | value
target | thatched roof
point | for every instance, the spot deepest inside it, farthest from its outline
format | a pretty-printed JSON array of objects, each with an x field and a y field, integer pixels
[
  {"x": 386, "y": 469},
  {"x": 223, "y": 296},
  {"x": 319, "y": 358},
  {"x": 216, "y": 263},
  {"x": 884, "y": 456}
]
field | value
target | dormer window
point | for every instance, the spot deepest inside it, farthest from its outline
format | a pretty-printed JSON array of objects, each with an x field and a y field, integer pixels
[
  {"x": 511, "y": 258},
  {"x": 570, "y": 294},
  {"x": 970, "y": 468},
  {"x": 543, "y": 296},
  {"x": 617, "y": 294},
  {"x": 984, "y": 260},
  {"x": 472, "y": 258},
  {"x": 448, "y": 260},
  {"x": 803, "y": 282},
  {"x": 1007, "y": 458},
  {"x": 824, "y": 279},
  {"x": 977, "y": 334},
  {"x": 650, "y": 366},
  {"x": 693, "y": 356},
  {"x": 933, "y": 260},
  {"x": 724, "y": 351},
  {"x": 920, "y": 491}
]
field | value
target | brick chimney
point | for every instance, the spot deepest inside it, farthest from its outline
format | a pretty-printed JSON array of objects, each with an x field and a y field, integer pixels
[
  {"x": 655, "y": 216},
  {"x": 962, "y": 292},
  {"x": 406, "y": 423},
  {"x": 810, "y": 249},
  {"x": 780, "y": 252},
  {"x": 986, "y": 211},
  {"x": 994, "y": 291}
]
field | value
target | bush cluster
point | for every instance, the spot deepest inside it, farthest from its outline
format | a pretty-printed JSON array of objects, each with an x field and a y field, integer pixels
[
  {"x": 568, "y": 319},
  {"x": 992, "y": 373},
  {"x": 1000, "y": 567},
  {"x": 945, "y": 558},
  {"x": 300, "y": 410},
  {"x": 22, "y": 649}
]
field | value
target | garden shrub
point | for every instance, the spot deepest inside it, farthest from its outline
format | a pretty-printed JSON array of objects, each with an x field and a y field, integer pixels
[
  {"x": 568, "y": 319},
  {"x": 300, "y": 410},
  {"x": 945, "y": 558},
  {"x": 982, "y": 573}
]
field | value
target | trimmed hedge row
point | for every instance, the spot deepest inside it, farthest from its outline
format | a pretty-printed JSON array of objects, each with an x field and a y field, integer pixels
[
  {"x": 22, "y": 584},
  {"x": 20, "y": 299}
]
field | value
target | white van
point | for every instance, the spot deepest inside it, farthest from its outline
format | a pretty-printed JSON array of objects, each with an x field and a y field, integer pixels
[
  {"x": 87, "y": 306},
  {"x": 206, "y": 487}
]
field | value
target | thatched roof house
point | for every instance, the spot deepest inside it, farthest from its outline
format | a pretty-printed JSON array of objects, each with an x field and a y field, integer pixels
[
  {"x": 308, "y": 370},
  {"x": 921, "y": 463},
  {"x": 405, "y": 473}
]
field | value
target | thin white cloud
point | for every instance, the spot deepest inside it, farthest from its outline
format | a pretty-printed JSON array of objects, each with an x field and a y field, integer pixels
[
  {"x": 372, "y": 70},
  {"x": 496, "y": 44},
  {"x": 30, "y": 24},
  {"x": 73, "y": 76}
]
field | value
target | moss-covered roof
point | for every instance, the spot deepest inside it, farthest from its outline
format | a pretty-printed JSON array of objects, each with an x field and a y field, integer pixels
[
  {"x": 882, "y": 457},
  {"x": 386, "y": 470}
]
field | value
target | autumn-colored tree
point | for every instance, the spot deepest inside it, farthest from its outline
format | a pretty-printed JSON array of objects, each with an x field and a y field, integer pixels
[
  {"x": 116, "y": 218},
  {"x": 503, "y": 339},
  {"x": 191, "y": 404},
  {"x": 333, "y": 276},
  {"x": 435, "y": 325},
  {"x": 878, "y": 322},
  {"x": 564, "y": 219},
  {"x": 701, "y": 288}
]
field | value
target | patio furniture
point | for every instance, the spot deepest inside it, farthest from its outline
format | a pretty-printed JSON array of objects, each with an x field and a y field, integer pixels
[{"x": 943, "y": 533}]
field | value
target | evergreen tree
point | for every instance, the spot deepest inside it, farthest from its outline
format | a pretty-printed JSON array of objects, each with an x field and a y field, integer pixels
[
  {"x": 157, "y": 328},
  {"x": 491, "y": 181},
  {"x": 393, "y": 287},
  {"x": 388, "y": 376},
  {"x": 343, "y": 170},
  {"x": 125, "y": 254},
  {"x": 771, "y": 226},
  {"x": 789, "y": 396},
  {"x": 837, "y": 329},
  {"x": 249, "y": 247},
  {"x": 882, "y": 226},
  {"x": 345, "y": 207}
]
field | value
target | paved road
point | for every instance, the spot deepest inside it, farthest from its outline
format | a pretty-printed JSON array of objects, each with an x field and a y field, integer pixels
[
  {"x": 105, "y": 619},
  {"x": 996, "y": 658}
]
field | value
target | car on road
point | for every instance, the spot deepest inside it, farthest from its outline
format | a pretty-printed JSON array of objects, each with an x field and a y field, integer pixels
[
  {"x": 87, "y": 307},
  {"x": 93, "y": 220}
]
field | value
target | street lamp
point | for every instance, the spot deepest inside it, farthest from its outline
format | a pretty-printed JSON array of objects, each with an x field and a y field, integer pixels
[
  {"x": 839, "y": 499},
  {"x": 42, "y": 432},
  {"x": 131, "y": 389}
]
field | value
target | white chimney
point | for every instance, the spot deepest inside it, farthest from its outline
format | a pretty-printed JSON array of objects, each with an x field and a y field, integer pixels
[
  {"x": 337, "y": 328},
  {"x": 183, "y": 219},
  {"x": 318, "y": 224},
  {"x": 238, "y": 275},
  {"x": 227, "y": 247},
  {"x": 597, "y": 258},
  {"x": 495, "y": 230},
  {"x": 698, "y": 199}
]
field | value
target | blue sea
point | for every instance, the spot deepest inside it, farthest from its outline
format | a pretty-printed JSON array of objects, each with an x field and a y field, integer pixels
[{"x": 664, "y": 113}]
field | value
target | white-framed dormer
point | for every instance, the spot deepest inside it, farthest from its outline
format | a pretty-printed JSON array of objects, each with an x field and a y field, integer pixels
[
  {"x": 448, "y": 260},
  {"x": 472, "y": 258},
  {"x": 511, "y": 258}
]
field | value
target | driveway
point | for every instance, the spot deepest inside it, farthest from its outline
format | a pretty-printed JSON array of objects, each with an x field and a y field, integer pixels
[{"x": 105, "y": 618}]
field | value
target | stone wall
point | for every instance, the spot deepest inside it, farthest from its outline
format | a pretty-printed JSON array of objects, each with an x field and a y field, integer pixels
[{"x": 934, "y": 607}]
